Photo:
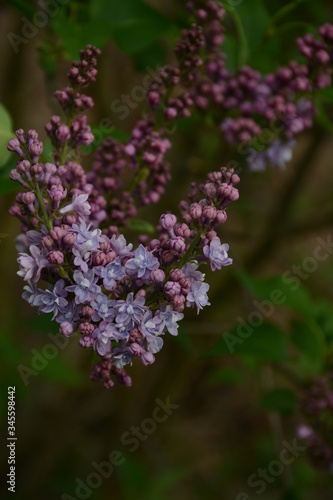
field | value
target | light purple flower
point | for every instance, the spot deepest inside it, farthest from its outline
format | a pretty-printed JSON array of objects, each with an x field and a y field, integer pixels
[
  {"x": 170, "y": 319},
  {"x": 111, "y": 273},
  {"x": 280, "y": 153},
  {"x": 85, "y": 288},
  {"x": 51, "y": 301},
  {"x": 32, "y": 265},
  {"x": 190, "y": 271},
  {"x": 119, "y": 245},
  {"x": 142, "y": 263},
  {"x": 103, "y": 307},
  {"x": 130, "y": 311},
  {"x": 217, "y": 254},
  {"x": 198, "y": 295},
  {"x": 79, "y": 205},
  {"x": 68, "y": 314}
]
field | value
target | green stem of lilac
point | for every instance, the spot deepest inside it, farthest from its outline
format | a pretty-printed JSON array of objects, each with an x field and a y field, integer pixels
[
  {"x": 190, "y": 250},
  {"x": 42, "y": 207}
]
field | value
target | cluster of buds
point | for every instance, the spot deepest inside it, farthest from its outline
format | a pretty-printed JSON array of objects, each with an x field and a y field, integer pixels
[{"x": 317, "y": 406}]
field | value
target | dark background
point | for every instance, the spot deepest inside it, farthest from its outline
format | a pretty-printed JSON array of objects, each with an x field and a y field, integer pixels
[{"x": 221, "y": 432}]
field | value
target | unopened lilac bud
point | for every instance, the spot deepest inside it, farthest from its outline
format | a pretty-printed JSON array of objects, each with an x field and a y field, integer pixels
[
  {"x": 28, "y": 197},
  {"x": 86, "y": 328},
  {"x": 209, "y": 212},
  {"x": 99, "y": 258},
  {"x": 221, "y": 216},
  {"x": 172, "y": 288},
  {"x": 63, "y": 134},
  {"x": 55, "y": 257},
  {"x": 69, "y": 239},
  {"x": 176, "y": 274},
  {"x": 234, "y": 195},
  {"x": 129, "y": 149},
  {"x": 23, "y": 167},
  {"x": 66, "y": 329},
  {"x": 135, "y": 335},
  {"x": 135, "y": 349},
  {"x": 47, "y": 242},
  {"x": 195, "y": 211},
  {"x": 57, "y": 192},
  {"x": 178, "y": 245},
  {"x": 210, "y": 189},
  {"x": 211, "y": 235},
  {"x": 14, "y": 146},
  {"x": 70, "y": 219},
  {"x": 37, "y": 169},
  {"x": 178, "y": 302},
  {"x": 36, "y": 148},
  {"x": 110, "y": 256},
  {"x": 88, "y": 311},
  {"x": 157, "y": 276},
  {"x": 170, "y": 113},
  {"x": 147, "y": 358},
  {"x": 57, "y": 233},
  {"x": 168, "y": 221}
]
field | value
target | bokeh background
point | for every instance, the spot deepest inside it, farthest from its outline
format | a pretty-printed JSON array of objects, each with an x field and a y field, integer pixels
[{"x": 235, "y": 410}]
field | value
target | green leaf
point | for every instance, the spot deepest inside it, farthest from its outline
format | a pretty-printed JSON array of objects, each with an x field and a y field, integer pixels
[
  {"x": 6, "y": 133},
  {"x": 310, "y": 345},
  {"x": 135, "y": 24},
  {"x": 280, "y": 400},
  {"x": 6, "y": 184},
  {"x": 76, "y": 35},
  {"x": 255, "y": 19},
  {"x": 227, "y": 375},
  {"x": 289, "y": 290},
  {"x": 140, "y": 226},
  {"x": 266, "y": 342}
]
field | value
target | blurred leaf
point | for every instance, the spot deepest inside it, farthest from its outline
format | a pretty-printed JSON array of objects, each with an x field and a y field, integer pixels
[
  {"x": 6, "y": 184},
  {"x": 322, "y": 115},
  {"x": 255, "y": 19},
  {"x": 43, "y": 323},
  {"x": 280, "y": 400},
  {"x": 295, "y": 299},
  {"x": 135, "y": 24},
  {"x": 140, "y": 226},
  {"x": 267, "y": 342},
  {"x": 309, "y": 344},
  {"x": 6, "y": 133},
  {"x": 227, "y": 375},
  {"x": 75, "y": 36},
  {"x": 264, "y": 342},
  {"x": 59, "y": 370},
  {"x": 24, "y": 6}
]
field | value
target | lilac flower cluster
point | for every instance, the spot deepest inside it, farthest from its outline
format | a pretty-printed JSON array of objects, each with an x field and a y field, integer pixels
[
  {"x": 120, "y": 300},
  {"x": 317, "y": 406},
  {"x": 245, "y": 104}
]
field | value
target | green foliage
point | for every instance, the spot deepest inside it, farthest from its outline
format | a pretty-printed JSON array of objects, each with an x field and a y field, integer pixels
[
  {"x": 6, "y": 133},
  {"x": 280, "y": 400}
]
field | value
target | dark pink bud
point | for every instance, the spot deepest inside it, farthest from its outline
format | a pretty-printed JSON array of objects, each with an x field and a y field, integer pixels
[
  {"x": 176, "y": 274},
  {"x": 57, "y": 233},
  {"x": 69, "y": 239},
  {"x": 172, "y": 288},
  {"x": 209, "y": 212},
  {"x": 195, "y": 211},
  {"x": 221, "y": 216},
  {"x": 147, "y": 358},
  {"x": 135, "y": 349},
  {"x": 55, "y": 257},
  {"x": 178, "y": 245},
  {"x": 47, "y": 242},
  {"x": 88, "y": 311},
  {"x": 157, "y": 276},
  {"x": 86, "y": 328},
  {"x": 99, "y": 258}
]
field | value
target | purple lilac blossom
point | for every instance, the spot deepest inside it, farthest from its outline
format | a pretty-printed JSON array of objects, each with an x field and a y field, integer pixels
[{"x": 217, "y": 254}]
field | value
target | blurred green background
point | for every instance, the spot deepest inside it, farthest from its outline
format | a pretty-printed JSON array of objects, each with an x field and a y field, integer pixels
[{"x": 235, "y": 410}]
